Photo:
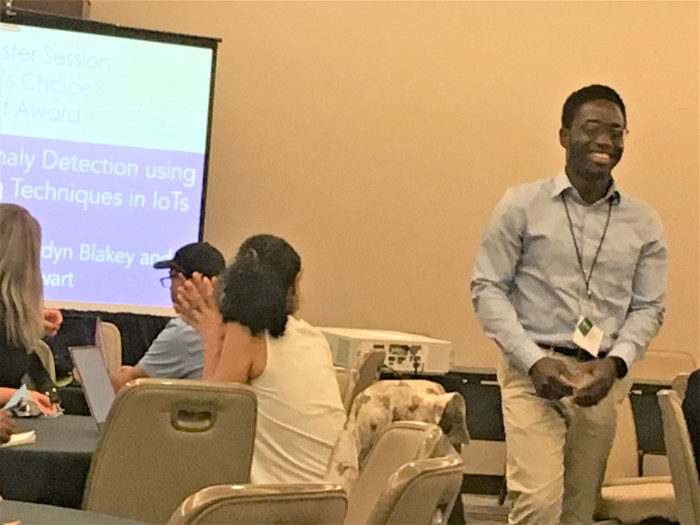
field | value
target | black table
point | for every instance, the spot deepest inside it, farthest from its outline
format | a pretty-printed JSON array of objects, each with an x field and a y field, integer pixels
[
  {"x": 54, "y": 469},
  {"x": 33, "y": 514}
]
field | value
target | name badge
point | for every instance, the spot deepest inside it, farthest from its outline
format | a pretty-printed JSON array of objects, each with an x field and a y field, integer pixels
[{"x": 587, "y": 336}]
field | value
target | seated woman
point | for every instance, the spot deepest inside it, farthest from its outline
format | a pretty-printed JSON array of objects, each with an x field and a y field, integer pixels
[
  {"x": 22, "y": 320},
  {"x": 254, "y": 337}
]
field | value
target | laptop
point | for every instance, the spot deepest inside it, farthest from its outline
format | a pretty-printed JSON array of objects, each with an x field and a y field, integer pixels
[{"x": 94, "y": 380}]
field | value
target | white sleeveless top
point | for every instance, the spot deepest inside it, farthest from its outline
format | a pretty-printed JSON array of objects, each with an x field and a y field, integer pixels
[{"x": 299, "y": 410}]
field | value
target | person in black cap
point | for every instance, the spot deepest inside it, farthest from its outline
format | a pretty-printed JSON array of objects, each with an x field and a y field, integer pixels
[{"x": 177, "y": 352}]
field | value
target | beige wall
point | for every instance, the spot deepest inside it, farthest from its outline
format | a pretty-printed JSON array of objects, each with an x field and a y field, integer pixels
[{"x": 377, "y": 136}]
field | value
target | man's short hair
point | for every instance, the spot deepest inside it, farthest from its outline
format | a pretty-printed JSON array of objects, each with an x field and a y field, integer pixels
[
  {"x": 199, "y": 257},
  {"x": 588, "y": 94}
]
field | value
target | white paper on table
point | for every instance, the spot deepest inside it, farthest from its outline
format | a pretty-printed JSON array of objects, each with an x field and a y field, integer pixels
[{"x": 21, "y": 438}]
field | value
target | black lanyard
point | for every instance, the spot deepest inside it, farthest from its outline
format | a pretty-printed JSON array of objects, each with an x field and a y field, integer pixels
[{"x": 587, "y": 280}]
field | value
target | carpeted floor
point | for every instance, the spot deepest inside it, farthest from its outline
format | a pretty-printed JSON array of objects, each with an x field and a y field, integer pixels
[{"x": 483, "y": 510}]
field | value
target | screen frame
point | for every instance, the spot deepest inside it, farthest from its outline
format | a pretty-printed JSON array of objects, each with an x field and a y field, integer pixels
[{"x": 20, "y": 16}]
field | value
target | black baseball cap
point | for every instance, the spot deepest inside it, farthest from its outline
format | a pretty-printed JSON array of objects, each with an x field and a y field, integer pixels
[{"x": 199, "y": 257}]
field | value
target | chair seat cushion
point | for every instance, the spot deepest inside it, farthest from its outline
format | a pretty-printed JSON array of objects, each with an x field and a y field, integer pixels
[{"x": 636, "y": 502}]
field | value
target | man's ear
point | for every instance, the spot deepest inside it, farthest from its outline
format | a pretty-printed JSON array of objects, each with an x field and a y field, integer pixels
[{"x": 564, "y": 138}]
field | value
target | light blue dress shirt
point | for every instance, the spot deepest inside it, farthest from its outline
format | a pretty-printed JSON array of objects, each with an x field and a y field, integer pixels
[{"x": 528, "y": 287}]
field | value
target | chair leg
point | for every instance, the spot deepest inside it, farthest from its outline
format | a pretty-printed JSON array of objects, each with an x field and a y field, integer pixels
[
  {"x": 640, "y": 463},
  {"x": 503, "y": 492},
  {"x": 457, "y": 516}
]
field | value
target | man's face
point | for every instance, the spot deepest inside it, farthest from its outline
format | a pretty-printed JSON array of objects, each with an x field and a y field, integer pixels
[
  {"x": 176, "y": 281},
  {"x": 595, "y": 141}
]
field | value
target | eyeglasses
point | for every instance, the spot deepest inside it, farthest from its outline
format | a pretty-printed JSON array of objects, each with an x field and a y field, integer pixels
[
  {"x": 167, "y": 282},
  {"x": 593, "y": 129}
]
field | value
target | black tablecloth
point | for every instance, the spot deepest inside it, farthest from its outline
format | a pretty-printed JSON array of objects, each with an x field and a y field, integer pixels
[
  {"x": 33, "y": 514},
  {"x": 54, "y": 469}
]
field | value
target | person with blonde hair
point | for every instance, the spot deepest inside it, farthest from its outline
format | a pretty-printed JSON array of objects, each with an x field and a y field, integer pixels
[{"x": 23, "y": 321}]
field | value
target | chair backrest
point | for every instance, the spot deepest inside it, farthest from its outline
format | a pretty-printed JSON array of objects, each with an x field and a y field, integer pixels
[
  {"x": 45, "y": 355},
  {"x": 680, "y": 384},
  {"x": 347, "y": 377},
  {"x": 422, "y": 492},
  {"x": 402, "y": 442},
  {"x": 368, "y": 371},
  {"x": 112, "y": 345},
  {"x": 165, "y": 439},
  {"x": 662, "y": 365},
  {"x": 623, "y": 459},
  {"x": 264, "y": 504},
  {"x": 684, "y": 473}
]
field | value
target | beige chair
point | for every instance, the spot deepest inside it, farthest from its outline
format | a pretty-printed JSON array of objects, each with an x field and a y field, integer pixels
[
  {"x": 264, "y": 504},
  {"x": 662, "y": 365},
  {"x": 367, "y": 372},
  {"x": 625, "y": 496},
  {"x": 165, "y": 439},
  {"x": 680, "y": 384},
  {"x": 622, "y": 463},
  {"x": 347, "y": 377},
  {"x": 681, "y": 457},
  {"x": 400, "y": 443},
  {"x": 111, "y": 345},
  {"x": 422, "y": 492}
]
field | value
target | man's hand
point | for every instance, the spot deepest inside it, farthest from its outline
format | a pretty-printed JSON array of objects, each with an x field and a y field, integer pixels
[
  {"x": 600, "y": 375},
  {"x": 552, "y": 378},
  {"x": 7, "y": 426},
  {"x": 51, "y": 319}
]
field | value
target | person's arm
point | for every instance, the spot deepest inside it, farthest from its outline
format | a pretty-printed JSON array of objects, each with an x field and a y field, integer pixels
[
  {"x": 494, "y": 270},
  {"x": 644, "y": 318},
  {"x": 242, "y": 356},
  {"x": 646, "y": 310},
  {"x": 7, "y": 426},
  {"x": 51, "y": 320},
  {"x": 42, "y": 401},
  {"x": 124, "y": 374},
  {"x": 197, "y": 307},
  {"x": 496, "y": 260},
  {"x": 691, "y": 410}
]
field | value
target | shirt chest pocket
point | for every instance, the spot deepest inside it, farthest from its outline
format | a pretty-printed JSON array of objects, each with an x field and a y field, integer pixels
[
  {"x": 616, "y": 265},
  {"x": 546, "y": 246}
]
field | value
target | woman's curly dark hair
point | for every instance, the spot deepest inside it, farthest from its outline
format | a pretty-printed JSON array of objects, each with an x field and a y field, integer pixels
[{"x": 258, "y": 284}]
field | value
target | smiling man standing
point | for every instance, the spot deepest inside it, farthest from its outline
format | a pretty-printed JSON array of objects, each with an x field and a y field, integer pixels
[{"x": 569, "y": 281}]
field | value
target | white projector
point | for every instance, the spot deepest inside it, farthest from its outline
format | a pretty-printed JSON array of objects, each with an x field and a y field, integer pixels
[{"x": 404, "y": 352}]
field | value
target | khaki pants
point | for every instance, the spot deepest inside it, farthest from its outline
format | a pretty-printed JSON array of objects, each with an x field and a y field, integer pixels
[{"x": 556, "y": 450}]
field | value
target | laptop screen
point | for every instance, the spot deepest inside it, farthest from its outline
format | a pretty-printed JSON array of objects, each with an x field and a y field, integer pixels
[{"x": 94, "y": 379}]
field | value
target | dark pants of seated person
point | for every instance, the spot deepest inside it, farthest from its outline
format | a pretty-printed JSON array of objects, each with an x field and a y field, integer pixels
[
  {"x": 457, "y": 516},
  {"x": 691, "y": 409}
]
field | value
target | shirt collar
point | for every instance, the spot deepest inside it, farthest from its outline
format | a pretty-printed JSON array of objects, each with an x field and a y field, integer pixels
[{"x": 561, "y": 183}]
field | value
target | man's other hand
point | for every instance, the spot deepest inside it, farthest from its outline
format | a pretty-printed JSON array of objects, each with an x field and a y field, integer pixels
[
  {"x": 600, "y": 375},
  {"x": 552, "y": 378}
]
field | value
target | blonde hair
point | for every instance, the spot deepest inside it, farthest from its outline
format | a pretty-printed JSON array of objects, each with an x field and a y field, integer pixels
[{"x": 20, "y": 276}]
